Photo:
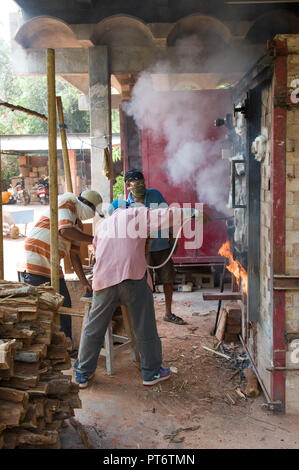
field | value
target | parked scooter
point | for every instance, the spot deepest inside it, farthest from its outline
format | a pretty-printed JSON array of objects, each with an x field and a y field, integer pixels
[
  {"x": 42, "y": 191},
  {"x": 22, "y": 195}
]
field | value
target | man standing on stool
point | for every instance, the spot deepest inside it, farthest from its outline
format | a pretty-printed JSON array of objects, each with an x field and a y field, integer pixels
[
  {"x": 159, "y": 248},
  {"x": 120, "y": 274}
]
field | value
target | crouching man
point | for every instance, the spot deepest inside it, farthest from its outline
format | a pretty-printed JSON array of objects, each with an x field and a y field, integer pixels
[
  {"x": 37, "y": 265},
  {"x": 120, "y": 275}
]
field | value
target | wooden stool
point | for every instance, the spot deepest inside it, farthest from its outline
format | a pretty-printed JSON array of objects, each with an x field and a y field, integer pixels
[{"x": 109, "y": 350}]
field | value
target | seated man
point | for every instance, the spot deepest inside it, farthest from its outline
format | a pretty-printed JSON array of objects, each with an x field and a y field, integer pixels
[{"x": 120, "y": 274}]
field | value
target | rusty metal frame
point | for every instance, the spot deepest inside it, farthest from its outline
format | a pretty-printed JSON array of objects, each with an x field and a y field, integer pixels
[{"x": 278, "y": 241}]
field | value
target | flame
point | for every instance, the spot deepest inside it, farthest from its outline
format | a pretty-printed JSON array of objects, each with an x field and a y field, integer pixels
[{"x": 234, "y": 266}]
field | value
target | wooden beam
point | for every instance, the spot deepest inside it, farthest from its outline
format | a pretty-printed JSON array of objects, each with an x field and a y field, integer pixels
[
  {"x": 223, "y": 296},
  {"x": 53, "y": 171},
  {"x": 14, "y": 107},
  {"x": 65, "y": 155}
]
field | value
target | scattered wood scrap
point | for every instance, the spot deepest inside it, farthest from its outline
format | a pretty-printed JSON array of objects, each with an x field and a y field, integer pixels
[{"x": 251, "y": 389}]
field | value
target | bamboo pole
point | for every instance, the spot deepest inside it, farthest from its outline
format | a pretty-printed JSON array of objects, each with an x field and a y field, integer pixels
[
  {"x": 66, "y": 162},
  {"x": 1, "y": 223},
  {"x": 52, "y": 141}
]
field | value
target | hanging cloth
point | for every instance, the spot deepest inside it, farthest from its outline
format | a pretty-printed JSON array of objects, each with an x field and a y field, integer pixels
[{"x": 108, "y": 165}]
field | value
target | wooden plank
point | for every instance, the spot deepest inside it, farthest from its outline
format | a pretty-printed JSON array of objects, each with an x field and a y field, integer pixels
[
  {"x": 223, "y": 296},
  {"x": 15, "y": 396},
  {"x": 11, "y": 413},
  {"x": 221, "y": 325}
]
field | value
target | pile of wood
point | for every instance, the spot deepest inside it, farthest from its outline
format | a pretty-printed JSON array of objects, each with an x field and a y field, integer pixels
[
  {"x": 35, "y": 395},
  {"x": 230, "y": 323}
]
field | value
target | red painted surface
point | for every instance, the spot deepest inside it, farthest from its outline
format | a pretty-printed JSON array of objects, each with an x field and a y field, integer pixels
[
  {"x": 211, "y": 104},
  {"x": 278, "y": 184}
]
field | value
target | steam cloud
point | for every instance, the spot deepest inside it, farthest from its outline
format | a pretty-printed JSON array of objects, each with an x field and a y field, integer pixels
[{"x": 175, "y": 118}]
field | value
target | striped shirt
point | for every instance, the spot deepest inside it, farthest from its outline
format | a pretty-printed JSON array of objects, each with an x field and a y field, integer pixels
[{"x": 37, "y": 245}]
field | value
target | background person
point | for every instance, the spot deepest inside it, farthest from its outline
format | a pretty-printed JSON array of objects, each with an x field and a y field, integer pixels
[{"x": 160, "y": 246}]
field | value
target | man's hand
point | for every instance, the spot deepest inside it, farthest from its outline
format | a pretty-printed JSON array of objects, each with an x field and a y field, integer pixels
[{"x": 87, "y": 288}]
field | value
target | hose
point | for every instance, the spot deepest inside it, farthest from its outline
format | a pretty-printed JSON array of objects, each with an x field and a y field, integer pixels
[{"x": 172, "y": 250}]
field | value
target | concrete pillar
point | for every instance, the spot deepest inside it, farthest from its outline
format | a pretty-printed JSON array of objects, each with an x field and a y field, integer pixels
[{"x": 100, "y": 117}]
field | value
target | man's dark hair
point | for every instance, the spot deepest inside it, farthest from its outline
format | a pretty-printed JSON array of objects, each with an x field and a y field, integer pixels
[{"x": 133, "y": 174}]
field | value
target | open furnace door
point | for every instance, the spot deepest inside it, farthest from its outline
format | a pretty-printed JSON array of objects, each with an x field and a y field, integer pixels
[{"x": 209, "y": 105}]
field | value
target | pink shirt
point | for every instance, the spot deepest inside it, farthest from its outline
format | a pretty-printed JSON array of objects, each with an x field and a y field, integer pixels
[{"x": 119, "y": 244}]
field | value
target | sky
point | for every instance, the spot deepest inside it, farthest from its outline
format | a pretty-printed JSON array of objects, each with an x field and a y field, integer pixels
[{"x": 6, "y": 6}]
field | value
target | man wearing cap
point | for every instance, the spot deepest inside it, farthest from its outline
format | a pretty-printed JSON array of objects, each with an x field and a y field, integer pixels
[
  {"x": 120, "y": 275},
  {"x": 160, "y": 246},
  {"x": 37, "y": 266}
]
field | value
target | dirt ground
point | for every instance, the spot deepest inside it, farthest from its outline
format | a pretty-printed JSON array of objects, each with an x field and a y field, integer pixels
[{"x": 188, "y": 411}]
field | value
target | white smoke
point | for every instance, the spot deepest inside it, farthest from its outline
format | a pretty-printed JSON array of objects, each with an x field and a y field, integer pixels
[{"x": 175, "y": 118}]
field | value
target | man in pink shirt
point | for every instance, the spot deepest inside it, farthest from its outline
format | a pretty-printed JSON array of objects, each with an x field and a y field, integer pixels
[{"x": 120, "y": 274}]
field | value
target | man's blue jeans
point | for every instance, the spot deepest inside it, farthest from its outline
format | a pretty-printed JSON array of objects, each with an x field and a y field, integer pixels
[
  {"x": 138, "y": 298},
  {"x": 35, "y": 280}
]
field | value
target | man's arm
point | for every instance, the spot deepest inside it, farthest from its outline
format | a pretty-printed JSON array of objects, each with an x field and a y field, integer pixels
[
  {"x": 72, "y": 234},
  {"x": 77, "y": 265}
]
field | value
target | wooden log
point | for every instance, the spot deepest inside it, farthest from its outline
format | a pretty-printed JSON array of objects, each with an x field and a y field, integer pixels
[
  {"x": 48, "y": 301},
  {"x": 59, "y": 387},
  {"x": 252, "y": 389},
  {"x": 6, "y": 356},
  {"x": 72, "y": 399},
  {"x": 58, "y": 337},
  {"x": 56, "y": 351},
  {"x": 10, "y": 439},
  {"x": 26, "y": 375},
  {"x": 40, "y": 390},
  {"x": 28, "y": 316},
  {"x": 11, "y": 413},
  {"x": 223, "y": 296},
  {"x": 9, "y": 331},
  {"x": 45, "y": 314},
  {"x": 44, "y": 367},
  {"x": 63, "y": 366},
  {"x": 31, "y": 353},
  {"x": 40, "y": 403},
  {"x": 37, "y": 440},
  {"x": 30, "y": 419},
  {"x": 15, "y": 396},
  {"x": 221, "y": 325},
  {"x": 41, "y": 423},
  {"x": 23, "y": 290},
  {"x": 9, "y": 314}
]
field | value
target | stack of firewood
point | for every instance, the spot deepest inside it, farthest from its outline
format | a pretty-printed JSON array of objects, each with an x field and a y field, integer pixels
[{"x": 35, "y": 395}]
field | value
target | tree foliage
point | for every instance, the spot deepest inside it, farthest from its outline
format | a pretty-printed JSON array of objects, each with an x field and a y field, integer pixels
[{"x": 31, "y": 92}]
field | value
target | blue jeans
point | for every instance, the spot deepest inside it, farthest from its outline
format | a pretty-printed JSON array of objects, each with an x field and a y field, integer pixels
[
  {"x": 35, "y": 280},
  {"x": 138, "y": 298}
]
